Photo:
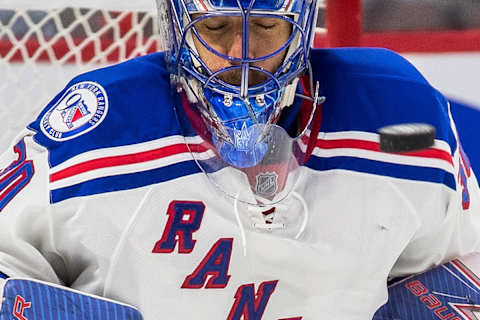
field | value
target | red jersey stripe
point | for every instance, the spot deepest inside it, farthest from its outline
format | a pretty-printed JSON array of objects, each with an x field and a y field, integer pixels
[
  {"x": 121, "y": 160},
  {"x": 432, "y": 153}
]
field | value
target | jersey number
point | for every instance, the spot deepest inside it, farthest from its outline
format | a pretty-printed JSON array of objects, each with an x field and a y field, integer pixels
[
  {"x": 16, "y": 176},
  {"x": 464, "y": 172}
]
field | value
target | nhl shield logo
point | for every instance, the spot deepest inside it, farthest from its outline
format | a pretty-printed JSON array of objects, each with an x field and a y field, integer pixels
[
  {"x": 82, "y": 107},
  {"x": 266, "y": 184}
]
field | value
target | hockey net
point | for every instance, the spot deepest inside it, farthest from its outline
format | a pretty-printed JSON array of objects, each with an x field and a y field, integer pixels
[{"x": 42, "y": 48}]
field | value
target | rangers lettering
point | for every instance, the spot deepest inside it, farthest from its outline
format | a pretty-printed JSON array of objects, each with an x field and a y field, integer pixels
[
  {"x": 215, "y": 264},
  {"x": 16, "y": 176},
  {"x": 249, "y": 305},
  {"x": 184, "y": 218}
]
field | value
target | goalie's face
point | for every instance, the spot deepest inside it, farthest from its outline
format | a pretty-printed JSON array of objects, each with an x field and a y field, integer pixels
[{"x": 223, "y": 34}]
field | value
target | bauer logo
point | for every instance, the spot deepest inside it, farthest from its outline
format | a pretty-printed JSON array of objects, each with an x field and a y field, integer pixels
[{"x": 81, "y": 108}]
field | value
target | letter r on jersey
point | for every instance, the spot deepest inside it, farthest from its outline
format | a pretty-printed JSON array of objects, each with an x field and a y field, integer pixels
[{"x": 184, "y": 218}]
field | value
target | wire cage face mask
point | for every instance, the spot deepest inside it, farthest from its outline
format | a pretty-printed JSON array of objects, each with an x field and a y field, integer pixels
[{"x": 238, "y": 62}]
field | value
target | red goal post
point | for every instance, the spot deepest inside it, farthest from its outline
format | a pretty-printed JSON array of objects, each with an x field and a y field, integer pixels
[{"x": 344, "y": 25}]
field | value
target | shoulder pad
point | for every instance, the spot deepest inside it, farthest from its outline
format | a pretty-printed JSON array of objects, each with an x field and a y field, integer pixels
[
  {"x": 377, "y": 62},
  {"x": 119, "y": 105},
  {"x": 367, "y": 89}
]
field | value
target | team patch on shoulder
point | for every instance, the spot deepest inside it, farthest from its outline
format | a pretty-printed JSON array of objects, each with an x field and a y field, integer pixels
[{"x": 81, "y": 108}]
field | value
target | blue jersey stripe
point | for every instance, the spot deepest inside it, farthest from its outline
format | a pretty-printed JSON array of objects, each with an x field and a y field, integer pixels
[
  {"x": 3, "y": 275},
  {"x": 125, "y": 181},
  {"x": 401, "y": 171}
]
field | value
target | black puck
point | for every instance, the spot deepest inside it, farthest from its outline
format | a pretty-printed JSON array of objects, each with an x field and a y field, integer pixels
[{"x": 406, "y": 137}]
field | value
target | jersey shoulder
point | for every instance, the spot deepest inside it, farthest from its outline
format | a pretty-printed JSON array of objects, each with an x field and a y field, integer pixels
[
  {"x": 113, "y": 129},
  {"x": 366, "y": 62},
  {"x": 124, "y": 104},
  {"x": 366, "y": 89}
]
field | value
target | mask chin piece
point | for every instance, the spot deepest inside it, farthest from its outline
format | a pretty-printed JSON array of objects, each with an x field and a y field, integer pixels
[{"x": 248, "y": 148}]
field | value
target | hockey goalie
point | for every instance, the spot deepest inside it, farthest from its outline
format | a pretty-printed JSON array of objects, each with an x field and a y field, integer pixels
[{"x": 239, "y": 175}]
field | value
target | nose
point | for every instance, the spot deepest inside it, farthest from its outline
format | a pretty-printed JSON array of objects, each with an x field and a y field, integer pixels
[{"x": 235, "y": 49}]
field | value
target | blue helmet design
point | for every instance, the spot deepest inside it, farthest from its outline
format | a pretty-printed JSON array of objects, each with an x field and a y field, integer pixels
[{"x": 238, "y": 114}]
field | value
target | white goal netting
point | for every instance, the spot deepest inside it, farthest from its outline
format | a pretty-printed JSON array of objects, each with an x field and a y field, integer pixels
[{"x": 43, "y": 44}]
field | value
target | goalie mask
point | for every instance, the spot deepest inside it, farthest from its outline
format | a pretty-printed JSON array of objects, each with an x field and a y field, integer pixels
[{"x": 238, "y": 64}]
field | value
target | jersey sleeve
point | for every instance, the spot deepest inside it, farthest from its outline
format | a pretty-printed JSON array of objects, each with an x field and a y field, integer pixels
[
  {"x": 26, "y": 239},
  {"x": 38, "y": 239},
  {"x": 449, "y": 217},
  {"x": 47, "y": 206}
]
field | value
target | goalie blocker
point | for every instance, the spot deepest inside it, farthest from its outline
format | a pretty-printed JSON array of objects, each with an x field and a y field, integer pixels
[
  {"x": 31, "y": 299},
  {"x": 448, "y": 292}
]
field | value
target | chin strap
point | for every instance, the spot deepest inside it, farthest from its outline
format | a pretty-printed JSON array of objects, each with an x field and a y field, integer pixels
[
  {"x": 191, "y": 89},
  {"x": 289, "y": 94}
]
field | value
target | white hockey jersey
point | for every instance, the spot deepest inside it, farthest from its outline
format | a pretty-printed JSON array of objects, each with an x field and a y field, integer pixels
[{"x": 101, "y": 194}]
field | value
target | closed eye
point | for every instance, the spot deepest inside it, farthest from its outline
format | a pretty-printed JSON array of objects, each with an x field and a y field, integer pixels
[
  {"x": 214, "y": 27},
  {"x": 266, "y": 26}
]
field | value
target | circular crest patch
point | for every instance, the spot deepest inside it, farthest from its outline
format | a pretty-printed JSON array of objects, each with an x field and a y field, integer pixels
[{"x": 81, "y": 108}]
